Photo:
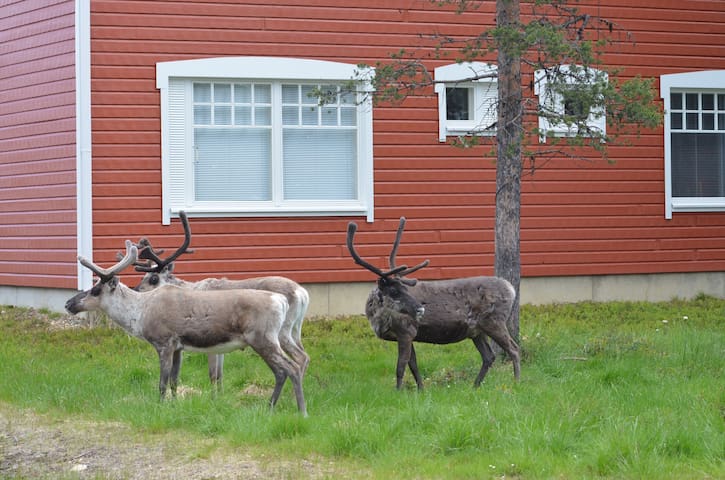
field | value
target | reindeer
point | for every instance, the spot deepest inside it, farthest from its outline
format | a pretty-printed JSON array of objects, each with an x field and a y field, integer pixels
[
  {"x": 474, "y": 307},
  {"x": 173, "y": 319},
  {"x": 159, "y": 272}
]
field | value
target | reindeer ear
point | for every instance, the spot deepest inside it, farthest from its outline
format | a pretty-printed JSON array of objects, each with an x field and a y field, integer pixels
[
  {"x": 170, "y": 267},
  {"x": 112, "y": 283}
]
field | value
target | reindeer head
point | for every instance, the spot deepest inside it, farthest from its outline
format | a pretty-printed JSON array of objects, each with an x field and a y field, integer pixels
[
  {"x": 392, "y": 288},
  {"x": 107, "y": 282},
  {"x": 160, "y": 271}
]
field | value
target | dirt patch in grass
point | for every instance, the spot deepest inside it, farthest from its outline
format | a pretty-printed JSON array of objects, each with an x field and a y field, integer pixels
[{"x": 37, "y": 446}]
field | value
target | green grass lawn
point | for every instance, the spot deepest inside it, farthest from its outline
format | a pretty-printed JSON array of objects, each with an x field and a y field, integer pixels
[{"x": 610, "y": 390}]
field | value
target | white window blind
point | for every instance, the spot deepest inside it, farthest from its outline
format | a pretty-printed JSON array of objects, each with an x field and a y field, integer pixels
[
  {"x": 698, "y": 144},
  {"x": 319, "y": 145},
  {"x": 232, "y": 144}
]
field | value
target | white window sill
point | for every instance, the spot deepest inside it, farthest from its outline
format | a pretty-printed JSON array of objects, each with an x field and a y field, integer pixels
[
  {"x": 270, "y": 211},
  {"x": 698, "y": 204},
  {"x": 461, "y": 131}
]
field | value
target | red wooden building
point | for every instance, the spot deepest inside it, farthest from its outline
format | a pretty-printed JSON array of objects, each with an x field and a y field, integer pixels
[{"x": 116, "y": 114}]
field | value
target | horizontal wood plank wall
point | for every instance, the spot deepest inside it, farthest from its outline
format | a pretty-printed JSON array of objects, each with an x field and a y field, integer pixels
[
  {"x": 578, "y": 218},
  {"x": 37, "y": 144}
]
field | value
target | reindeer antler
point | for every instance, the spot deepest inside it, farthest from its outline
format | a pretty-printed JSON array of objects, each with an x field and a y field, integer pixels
[
  {"x": 394, "y": 252},
  {"x": 106, "y": 274},
  {"x": 351, "y": 229},
  {"x": 147, "y": 252}
]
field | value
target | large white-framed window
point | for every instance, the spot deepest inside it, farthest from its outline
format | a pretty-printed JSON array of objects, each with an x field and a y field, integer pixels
[
  {"x": 694, "y": 129},
  {"x": 467, "y": 99},
  {"x": 246, "y": 136},
  {"x": 561, "y": 108}
]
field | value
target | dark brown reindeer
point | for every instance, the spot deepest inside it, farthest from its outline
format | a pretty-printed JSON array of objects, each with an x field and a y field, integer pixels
[
  {"x": 173, "y": 319},
  {"x": 473, "y": 307},
  {"x": 159, "y": 271}
]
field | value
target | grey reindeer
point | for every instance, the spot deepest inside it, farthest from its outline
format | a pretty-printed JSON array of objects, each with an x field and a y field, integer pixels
[
  {"x": 173, "y": 319},
  {"x": 453, "y": 310},
  {"x": 159, "y": 272}
]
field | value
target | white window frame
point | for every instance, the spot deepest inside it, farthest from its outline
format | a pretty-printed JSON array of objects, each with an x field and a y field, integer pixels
[
  {"x": 175, "y": 78},
  {"x": 708, "y": 81},
  {"x": 485, "y": 90},
  {"x": 596, "y": 120}
]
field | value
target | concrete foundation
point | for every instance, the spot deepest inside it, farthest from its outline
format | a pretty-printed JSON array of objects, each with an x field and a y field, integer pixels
[{"x": 349, "y": 298}]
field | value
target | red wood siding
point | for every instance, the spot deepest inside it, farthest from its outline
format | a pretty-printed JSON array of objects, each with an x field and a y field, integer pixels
[
  {"x": 577, "y": 217},
  {"x": 37, "y": 144}
]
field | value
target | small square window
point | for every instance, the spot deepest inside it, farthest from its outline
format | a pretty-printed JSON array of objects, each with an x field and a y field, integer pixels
[
  {"x": 575, "y": 106},
  {"x": 467, "y": 99},
  {"x": 564, "y": 106},
  {"x": 458, "y": 103}
]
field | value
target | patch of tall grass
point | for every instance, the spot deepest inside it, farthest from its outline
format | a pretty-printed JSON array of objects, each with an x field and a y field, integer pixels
[{"x": 608, "y": 390}]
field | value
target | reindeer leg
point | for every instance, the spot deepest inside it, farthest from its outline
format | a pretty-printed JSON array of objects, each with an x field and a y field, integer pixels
[
  {"x": 282, "y": 367},
  {"x": 166, "y": 360},
  {"x": 487, "y": 357},
  {"x": 508, "y": 345},
  {"x": 405, "y": 346},
  {"x": 294, "y": 372},
  {"x": 175, "y": 369},
  {"x": 297, "y": 354},
  {"x": 297, "y": 338},
  {"x": 413, "y": 364},
  {"x": 216, "y": 368}
]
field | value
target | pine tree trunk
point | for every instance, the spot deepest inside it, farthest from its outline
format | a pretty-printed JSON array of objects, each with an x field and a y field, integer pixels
[{"x": 508, "y": 162}]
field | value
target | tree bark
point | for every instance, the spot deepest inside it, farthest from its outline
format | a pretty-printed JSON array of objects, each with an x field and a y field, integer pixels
[{"x": 508, "y": 160}]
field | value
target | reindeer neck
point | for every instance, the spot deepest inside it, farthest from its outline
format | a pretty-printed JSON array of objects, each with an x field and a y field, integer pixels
[{"x": 125, "y": 306}]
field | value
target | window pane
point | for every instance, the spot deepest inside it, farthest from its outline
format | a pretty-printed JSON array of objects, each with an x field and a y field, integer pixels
[
  {"x": 263, "y": 116},
  {"x": 708, "y": 101},
  {"x": 708, "y": 121},
  {"x": 721, "y": 121},
  {"x": 721, "y": 101},
  {"x": 691, "y": 101},
  {"x": 697, "y": 164},
  {"x": 290, "y": 94},
  {"x": 222, "y": 114},
  {"x": 290, "y": 115},
  {"x": 676, "y": 121},
  {"x": 348, "y": 116},
  {"x": 309, "y": 116},
  {"x": 320, "y": 164},
  {"x": 574, "y": 107},
  {"x": 347, "y": 98},
  {"x": 262, "y": 94},
  {"x": 202, "y": 114},
  {"x": 676, "y": 101},
  {"x": 243, "y": 93},
  {"x": 458, "y": 102},
  {"x": 691, "y": 119},
  {"x": 202, "y": 92},
  {"x": 222, "y": 92},
  {"x": 242, "y": 115},
  {"x": 232, "y": 164},
  {"x": 309, "y": 98},
  {"x": 329, "y": 116}
]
